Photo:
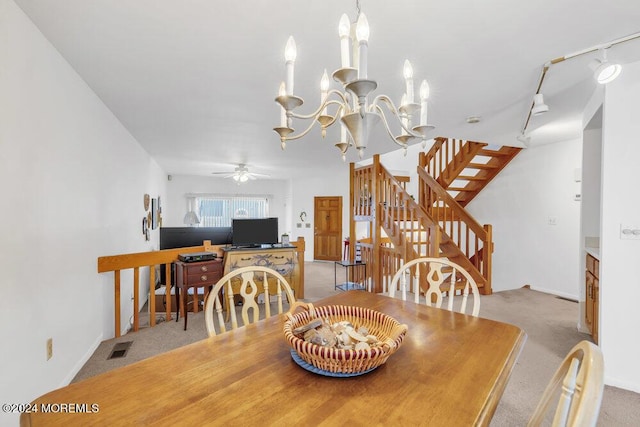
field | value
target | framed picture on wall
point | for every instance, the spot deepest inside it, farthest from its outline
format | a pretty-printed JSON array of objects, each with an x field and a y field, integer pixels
[{"x": 154, "y": 213}]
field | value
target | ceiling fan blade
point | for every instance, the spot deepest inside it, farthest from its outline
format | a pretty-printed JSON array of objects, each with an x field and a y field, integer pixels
[
  {"x": 224, "y": 174},
  {"x": 241, "y": 169}
]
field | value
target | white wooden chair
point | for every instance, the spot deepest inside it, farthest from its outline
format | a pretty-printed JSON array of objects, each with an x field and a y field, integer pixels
[
  {"x": 431, "y": 273},
  {"x": 247, "y": 282},
  {"x": 579, "y": 382}
]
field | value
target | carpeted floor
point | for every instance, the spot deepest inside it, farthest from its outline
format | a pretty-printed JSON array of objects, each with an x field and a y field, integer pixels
[{"x": 550, "y": 324}]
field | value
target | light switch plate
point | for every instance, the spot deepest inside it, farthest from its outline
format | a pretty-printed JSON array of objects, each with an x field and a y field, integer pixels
[{"x": 629, "y": 232}]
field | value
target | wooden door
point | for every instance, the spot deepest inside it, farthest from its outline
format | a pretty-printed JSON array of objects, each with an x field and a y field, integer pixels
[{"x": 327, "y": 234}]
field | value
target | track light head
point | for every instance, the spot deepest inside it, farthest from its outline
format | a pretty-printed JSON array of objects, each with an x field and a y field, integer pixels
[
  {"x": 603, "y": 70},
  {"x": 539, "y": 107}
]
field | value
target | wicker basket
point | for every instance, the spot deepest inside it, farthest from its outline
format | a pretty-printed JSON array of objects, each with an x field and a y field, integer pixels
[{"x": 334, "y": 360}]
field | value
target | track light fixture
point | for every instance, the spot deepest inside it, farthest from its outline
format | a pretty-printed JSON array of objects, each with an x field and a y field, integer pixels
[{"x": 604, "y": 72}]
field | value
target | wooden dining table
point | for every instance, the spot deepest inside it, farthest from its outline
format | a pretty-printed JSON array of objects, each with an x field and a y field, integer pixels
[{"x": 451, "y": 370}]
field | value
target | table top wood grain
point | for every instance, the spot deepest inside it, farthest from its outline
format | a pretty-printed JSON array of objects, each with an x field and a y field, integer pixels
[{"x": 451, "y": 370}]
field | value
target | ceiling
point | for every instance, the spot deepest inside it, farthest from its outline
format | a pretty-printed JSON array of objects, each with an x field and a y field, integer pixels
[{"x": 194, "y": 81}]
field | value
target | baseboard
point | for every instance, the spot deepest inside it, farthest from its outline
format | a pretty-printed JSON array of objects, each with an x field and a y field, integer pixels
[
  {"x": 556, "y": 293},
  {"x": 84, "y": 359},
  {"x": 625, "y": 385}
]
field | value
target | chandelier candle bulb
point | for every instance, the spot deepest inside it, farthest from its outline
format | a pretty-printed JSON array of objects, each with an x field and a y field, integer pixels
[
  {"x": 344, "y": 28},
  {"x": 290, "y": 58},
  {"x": 408, "y": 76},
  {"x": 283, "y": 113},
  {"x": 424, "y": 95},
  {"x": 362, "y": 34},
  {"x": 324, "y": 90}
]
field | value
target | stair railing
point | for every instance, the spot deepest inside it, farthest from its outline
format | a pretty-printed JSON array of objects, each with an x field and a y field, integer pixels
[
  {"x": 379, "y": 198},
  {"x": 473, "y": 239},
  {"x": 447, "y": 157}
]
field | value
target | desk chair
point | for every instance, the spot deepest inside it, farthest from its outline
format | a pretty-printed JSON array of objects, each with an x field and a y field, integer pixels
[
  {"x": 579, "y": 381},
  {"x": 429, "y": 275},
  {"x": 246, "y": 282}
]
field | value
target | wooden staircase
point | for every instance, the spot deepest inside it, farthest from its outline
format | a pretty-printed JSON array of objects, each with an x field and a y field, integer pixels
[
  {"x": 464, "y": 168},
  {"x": 451, "y": 174}
]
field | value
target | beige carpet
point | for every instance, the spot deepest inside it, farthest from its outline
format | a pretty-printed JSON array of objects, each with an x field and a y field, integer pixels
[{"x": 550, "y": 324}]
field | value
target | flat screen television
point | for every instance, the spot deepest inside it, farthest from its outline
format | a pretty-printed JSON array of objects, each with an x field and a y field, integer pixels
[
  {"x": 254, "y": 232},
  {"x": 181, "y": 237}
]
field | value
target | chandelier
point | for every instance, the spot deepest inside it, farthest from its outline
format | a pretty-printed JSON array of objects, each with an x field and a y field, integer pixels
[{"x": 356, "y": 113}]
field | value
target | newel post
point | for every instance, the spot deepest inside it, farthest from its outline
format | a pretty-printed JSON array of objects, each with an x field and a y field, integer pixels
[
  {"x": 376, "y": 235},
  {"x": 352, "y": 207}
]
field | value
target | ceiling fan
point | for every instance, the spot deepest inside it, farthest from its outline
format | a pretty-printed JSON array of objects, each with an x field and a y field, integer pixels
[{"x": 241, "y": 174}]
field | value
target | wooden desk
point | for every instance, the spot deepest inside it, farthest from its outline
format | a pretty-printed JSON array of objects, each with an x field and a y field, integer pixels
[{"x": 450, "y": 370}]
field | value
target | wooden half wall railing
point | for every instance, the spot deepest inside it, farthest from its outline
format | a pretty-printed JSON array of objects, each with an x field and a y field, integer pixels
[{"x": 151, "y": 260}]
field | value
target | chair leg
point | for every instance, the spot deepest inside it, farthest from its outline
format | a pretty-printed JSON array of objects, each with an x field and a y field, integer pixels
[
  {"x": 177, "y": 303},
  {"x": 185, "y": 296}
]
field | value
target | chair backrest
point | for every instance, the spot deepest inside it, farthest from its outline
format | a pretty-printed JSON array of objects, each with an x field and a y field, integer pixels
[
  {"x": 435, "y": 276},
  {"x": 247, "y": 282},
  {"x": 580, "y": 382}
]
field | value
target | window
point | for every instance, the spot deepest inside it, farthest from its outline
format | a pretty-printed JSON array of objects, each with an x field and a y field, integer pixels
[{"x": 218, "y": 211}]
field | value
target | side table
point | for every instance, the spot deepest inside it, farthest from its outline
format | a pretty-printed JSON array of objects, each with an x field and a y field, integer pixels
[
  {"x": 355, "y": 275},
  {"x": 195, "y": 275}
]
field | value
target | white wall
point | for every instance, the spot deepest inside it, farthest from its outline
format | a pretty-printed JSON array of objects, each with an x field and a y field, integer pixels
[
  {"x": 72, "y": 182},
  {"x": 619, "y": 265},
  {"x": 304, "y": 189},
  {"x": 290, "y": 199},
  {"x": 591, "y": 176},
  {"x": 537, "y": 184},
  {"x": 181, "y": 185}
]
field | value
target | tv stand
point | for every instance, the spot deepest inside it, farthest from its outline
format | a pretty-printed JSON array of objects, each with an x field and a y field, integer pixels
[{"x": 286, "y": 260}]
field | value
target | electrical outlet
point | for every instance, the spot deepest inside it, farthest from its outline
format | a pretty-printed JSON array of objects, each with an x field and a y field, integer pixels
[
  {"x": 552, "y": 220},
  {"x": 49, "y": 348}
]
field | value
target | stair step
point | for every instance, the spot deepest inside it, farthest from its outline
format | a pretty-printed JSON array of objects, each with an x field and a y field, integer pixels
[
  {"x": 481, "y": 166},
  {"x": 458, "y": 189},
  {"x": 493, "y": 153},
  {"x": 470, "y": 178}
]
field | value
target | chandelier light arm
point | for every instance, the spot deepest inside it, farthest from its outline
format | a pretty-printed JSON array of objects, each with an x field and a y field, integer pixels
[
  {"x": 337, "y": 116},
  {"x": 392, "y": 108},
  {"x": 317, "y": 112},
  {"x": 323, "y": 105},
  {"x": 300, "y": 135},
  {"x": 384, "y": 121},
  {"x": 386, "y": 125}
]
